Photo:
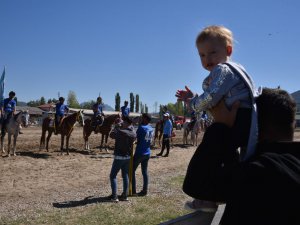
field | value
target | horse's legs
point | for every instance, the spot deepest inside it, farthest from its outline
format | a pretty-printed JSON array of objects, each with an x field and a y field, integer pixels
[
  {"x": 42, "y": 141},
  {"x": 102, "y": 140},
  {"x": 62, "y": 140},
  {"x": 9, "y": 142},
  {"x": 15, "y": 143},
  {"x": 48, "y": 139},
  {"x": 2, "y": 142},
  {"x": 159, "y": 138},
  {"x": 106, "y": 147},
  {"x": 67, "y": 144},
  {"x": 86, "y": 135}
]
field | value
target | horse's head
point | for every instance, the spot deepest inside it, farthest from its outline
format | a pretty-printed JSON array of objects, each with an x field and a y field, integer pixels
[
  {"x": 22, "y": 118},
  {"x": 80, "y": 117}
]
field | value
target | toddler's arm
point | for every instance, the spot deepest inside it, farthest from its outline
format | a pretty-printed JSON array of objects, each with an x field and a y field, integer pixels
[{"x": 222, "y": 79}]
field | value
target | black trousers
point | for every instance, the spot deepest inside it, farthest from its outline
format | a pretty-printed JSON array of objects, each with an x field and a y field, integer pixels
[{"x": 165, "y": 144}]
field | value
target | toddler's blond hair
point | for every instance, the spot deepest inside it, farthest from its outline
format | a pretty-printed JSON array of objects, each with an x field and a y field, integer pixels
[{"x": 220, "y": 33}]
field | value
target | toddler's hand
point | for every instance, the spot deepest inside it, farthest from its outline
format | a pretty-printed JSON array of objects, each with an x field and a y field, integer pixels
[{"x": 184, "y": 95}]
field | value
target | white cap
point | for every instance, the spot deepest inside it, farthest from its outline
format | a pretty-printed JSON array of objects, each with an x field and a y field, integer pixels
[{"x": 167, "y": 114}]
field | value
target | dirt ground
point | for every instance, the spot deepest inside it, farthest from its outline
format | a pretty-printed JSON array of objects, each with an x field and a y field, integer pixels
[{"x": 37, "y": 179}]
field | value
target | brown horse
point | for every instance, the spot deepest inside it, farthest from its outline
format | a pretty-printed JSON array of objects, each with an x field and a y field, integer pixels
[
  {"x": 104, "y": 130},
  {"x": 158, "y": 132},
  {"x": 66, "y": 129}
]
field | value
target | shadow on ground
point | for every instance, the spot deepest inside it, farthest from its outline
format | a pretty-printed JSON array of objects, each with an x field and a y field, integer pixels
[{"x": 77, "y": 203}]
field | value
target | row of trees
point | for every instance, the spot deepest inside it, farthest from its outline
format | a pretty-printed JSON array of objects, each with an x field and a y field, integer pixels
[{"x": 134, "y": 103}]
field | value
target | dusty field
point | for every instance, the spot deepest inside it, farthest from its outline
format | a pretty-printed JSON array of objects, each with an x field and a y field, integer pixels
[{"x": 38, "y": 179}]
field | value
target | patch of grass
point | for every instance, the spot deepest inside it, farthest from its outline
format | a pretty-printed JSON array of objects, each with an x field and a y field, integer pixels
[{"x": 152, "y": 209}]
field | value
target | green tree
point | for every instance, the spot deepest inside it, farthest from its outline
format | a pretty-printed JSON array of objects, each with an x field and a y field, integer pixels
[
  {"x": 137, "y": 103},
  {"x": 131, "y": 102},
  {"x": 117, "y": 102},
  {"x": 146, "y": 108},
  {"x": 88, "y": 105},
  {"x": 33, "y": 103},
  {"x": 72, "y": 100},
  {"x": 42, "y": 101}
]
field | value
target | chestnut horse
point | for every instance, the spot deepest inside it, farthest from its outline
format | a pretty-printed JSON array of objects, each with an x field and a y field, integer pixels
[
  {"x": 104, "y": 130},
  {"x": 158, "y": 132},
  {"x": 66, "y": 129}
]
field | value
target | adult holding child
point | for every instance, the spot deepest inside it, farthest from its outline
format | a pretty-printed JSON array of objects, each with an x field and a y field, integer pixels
[
  {"x": 229, "y": 81},
  {"x": 262, "y": 189}
]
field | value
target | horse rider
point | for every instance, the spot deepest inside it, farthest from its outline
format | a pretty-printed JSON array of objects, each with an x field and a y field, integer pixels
[
  {"x": 60, "y": 110},
  {"x": 98, "y": 117},
  {"x": 125, "y": 110},
  {"x": 8, "y": 109}
]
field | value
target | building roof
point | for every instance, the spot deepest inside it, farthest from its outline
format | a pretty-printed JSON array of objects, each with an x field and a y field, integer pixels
[{"x": 31, "y": 110}]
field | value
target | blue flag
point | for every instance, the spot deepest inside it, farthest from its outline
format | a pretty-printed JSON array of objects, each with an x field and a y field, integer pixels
[{"x": 2, "y": 86}]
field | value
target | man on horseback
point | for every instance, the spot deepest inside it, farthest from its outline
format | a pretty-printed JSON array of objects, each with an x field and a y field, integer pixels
[
  {"x": 8, "y": 109},
  {"x": 61, "y": 109},
  {"x": 125, "y": 110},
  {"x": 98, "y": 117}
]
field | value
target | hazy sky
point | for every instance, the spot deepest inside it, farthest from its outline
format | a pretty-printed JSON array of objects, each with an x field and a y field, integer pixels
[{"x": 139, "y": 46}]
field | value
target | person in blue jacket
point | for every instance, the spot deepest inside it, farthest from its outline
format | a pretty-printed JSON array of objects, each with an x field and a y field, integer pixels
[
  {"x": 98, "y": 117},
  {"x": 60, "y": 110},
  {"x": 8, "y": 109},
  {"x": 125, "y": 110},
  {"x": 144, "y": 135},
  {"x": 167, "y": 134}
]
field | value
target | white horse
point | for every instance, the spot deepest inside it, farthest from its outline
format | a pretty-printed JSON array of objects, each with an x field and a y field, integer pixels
[
  {"x": 197, "y": 128},
  {"x": 12, "y": 127},
  {"x": 186, "y": 132}
]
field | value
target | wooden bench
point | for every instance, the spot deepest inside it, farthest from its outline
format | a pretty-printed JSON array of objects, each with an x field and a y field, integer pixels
[{"x": 198, "y": 217}]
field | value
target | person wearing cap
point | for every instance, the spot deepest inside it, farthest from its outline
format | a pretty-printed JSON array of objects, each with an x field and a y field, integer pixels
[
  {"x": 144, "y": 135},
  {"x": 60, "y": 110},
  {"x": 98, "y": 117},
  {"x": 125, "y": 110},
  {"x": 8, "y": 109},
  {"x": 124, "y": 137},
  {"x": 167, "y": 133}
]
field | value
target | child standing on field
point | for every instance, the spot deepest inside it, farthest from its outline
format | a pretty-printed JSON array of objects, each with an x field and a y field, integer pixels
[{"x": 229, "y": 81}]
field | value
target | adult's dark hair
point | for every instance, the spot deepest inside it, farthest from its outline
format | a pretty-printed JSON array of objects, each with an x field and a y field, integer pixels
[
  {"x": 147, "y": 117},
  {"x": 12, "y": 93},
  {"x": 61, "y": 99},
  {"x": 127, "y": 119},
  {"x": 276, "y": 109}
]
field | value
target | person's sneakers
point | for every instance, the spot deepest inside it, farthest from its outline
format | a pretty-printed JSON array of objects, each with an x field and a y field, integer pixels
[
  {"x": 123, "y": 198},
  {"x": 113, "y": 198},
  {"x": 166, "y": 155},
  {"x": 142, "y": 193},
  {"x": 159, "y": 154},
  {"x": 201, "y": 205}
]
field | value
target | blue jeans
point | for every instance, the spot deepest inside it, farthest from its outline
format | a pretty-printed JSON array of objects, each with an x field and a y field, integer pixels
[
  {"x": 118, "y": 165},
  {"x": 143, "y": 160}
]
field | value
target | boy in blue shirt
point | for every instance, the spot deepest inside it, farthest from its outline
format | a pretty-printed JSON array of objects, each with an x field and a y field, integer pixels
[
  {"x": 60, "y": 110},
  {"x": 125, "y": 110},
  {"x": 144, "y": 135},
  {"x": 98, "y": 117},
  {"x": 8, "y": 109}
]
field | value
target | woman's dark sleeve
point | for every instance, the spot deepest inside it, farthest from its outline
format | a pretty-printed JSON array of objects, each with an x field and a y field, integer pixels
[{"x": 206, "y": 175}]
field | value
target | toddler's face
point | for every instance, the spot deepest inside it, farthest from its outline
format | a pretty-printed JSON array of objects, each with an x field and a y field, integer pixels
[{"x": 212, "y": 52}]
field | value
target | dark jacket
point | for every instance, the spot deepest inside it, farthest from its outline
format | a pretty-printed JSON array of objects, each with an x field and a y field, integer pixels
[
  {"x": 124, "y": 140},
  {"x": 263, "y": 190}
]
